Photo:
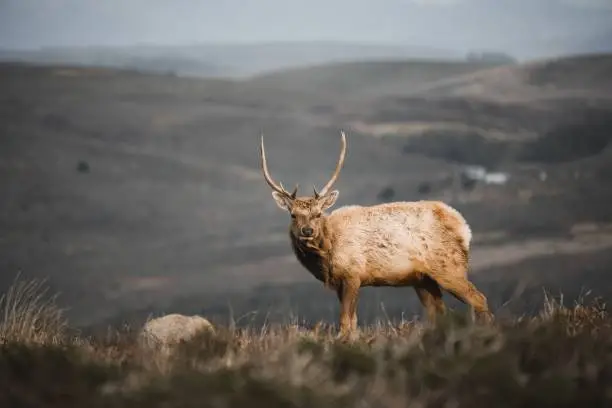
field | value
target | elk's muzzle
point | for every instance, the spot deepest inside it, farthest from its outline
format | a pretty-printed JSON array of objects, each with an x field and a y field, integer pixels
[{"x": 306, "y": 232}]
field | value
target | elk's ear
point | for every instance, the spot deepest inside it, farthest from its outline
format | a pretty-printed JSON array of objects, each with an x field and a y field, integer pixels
[
  {"x": 329, "y": 199},
  {"x": 282, "y": 201}
]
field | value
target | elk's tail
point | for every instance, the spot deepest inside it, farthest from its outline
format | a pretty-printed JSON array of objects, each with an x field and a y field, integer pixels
[{"x": 456, "y": 224}]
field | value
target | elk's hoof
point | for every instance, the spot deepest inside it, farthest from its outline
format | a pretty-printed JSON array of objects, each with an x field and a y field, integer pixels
[
  {"x": 347, "y": 336},
  {"x": 485, "y": 318}
]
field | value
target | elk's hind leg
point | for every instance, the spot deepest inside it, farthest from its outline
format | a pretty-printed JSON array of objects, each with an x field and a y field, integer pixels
[
  {"x": 465, "y": 291},
  {"x": 430, "y": 295}
]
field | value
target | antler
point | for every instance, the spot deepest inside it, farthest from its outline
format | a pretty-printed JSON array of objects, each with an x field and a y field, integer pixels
[
  {"x": 276, "y": 187},
  {"x": 334, "y": 177}
]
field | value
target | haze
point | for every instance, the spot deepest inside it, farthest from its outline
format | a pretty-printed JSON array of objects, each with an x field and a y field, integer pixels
[{"x": 524, "y": 28}]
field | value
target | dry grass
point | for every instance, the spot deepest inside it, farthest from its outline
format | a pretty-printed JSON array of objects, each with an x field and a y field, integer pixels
[
  {"x": 561, "y": 358},
  {"x": 28, "y": 315}
]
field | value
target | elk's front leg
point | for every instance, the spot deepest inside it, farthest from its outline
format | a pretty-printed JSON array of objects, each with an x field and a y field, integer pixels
[{"x": 348, "y": 294}]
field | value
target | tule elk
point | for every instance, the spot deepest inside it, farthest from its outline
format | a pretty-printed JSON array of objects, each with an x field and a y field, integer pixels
[{"x": 423, "y": 244}]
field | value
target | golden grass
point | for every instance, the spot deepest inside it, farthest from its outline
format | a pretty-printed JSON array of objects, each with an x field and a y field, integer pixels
[
  {"x": 560, "y": 358},
  {"x": 28, "y": 315}
]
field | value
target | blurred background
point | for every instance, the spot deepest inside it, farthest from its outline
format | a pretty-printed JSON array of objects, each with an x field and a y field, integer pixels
[{"x": 129, "y": 131}]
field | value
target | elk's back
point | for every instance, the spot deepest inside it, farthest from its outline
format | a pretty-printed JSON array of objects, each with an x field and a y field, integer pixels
[{"x": 398, "y": 240}]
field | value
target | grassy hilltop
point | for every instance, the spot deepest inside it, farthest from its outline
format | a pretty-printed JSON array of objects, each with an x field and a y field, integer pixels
[{"x": 560, "y": 358}]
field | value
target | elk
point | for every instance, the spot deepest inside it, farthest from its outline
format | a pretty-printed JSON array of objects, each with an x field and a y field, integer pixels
[{"x": 423, "y": 244}]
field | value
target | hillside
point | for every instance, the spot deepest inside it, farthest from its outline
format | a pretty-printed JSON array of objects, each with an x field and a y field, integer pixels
[
  {"x": 367, "y": 78},
  {"x": 560, "y": 357},
  {"x": 139, "y": 193},
  {"x": 540, "y": 112}
]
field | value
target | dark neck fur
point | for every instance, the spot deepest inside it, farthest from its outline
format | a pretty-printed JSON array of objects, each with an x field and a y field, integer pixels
[{"x": 314, "y": 255}]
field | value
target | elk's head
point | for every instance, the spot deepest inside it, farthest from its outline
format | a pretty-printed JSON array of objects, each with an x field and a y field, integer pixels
[{"x": 306, "y": 212}]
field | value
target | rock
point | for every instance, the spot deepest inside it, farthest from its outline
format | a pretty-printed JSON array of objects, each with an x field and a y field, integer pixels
[{"x": 169, "y": 330}]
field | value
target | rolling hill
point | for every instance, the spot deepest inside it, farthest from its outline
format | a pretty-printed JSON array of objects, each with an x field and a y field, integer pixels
[
  {"x": 221, "y": 60},
  {"x": 136, "y": 192},
  {"x": 367, "y": 78}
]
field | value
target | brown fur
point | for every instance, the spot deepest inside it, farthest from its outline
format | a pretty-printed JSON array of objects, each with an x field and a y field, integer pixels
[{"x": 424, "y": 244}]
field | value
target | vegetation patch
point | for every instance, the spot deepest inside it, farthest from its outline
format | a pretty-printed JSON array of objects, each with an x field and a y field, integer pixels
[{"x": 560, "y": 358}]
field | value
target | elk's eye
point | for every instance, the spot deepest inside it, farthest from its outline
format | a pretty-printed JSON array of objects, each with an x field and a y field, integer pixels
[{"x": 293, "y": 216}]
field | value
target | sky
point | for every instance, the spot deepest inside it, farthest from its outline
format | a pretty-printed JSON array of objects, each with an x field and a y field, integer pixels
[{"x": 516, "y": 26}]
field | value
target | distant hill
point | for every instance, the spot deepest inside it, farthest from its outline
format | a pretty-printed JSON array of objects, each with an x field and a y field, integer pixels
[
  {"x": 551, "y": 110},
  {"x": 537, "y": 79},
  {"x": 368, "y": 78},
  {"x": 228, "y": 60}
]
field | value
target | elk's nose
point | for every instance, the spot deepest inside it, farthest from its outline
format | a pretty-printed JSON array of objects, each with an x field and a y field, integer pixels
[{"x": 307, "y": 231}]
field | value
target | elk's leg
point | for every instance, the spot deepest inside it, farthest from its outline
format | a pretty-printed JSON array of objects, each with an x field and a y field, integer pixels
[
  {"x": 466, "y": 292},
  {"x": 430, "y": 295},
  {"x": 348, "y": 293}
]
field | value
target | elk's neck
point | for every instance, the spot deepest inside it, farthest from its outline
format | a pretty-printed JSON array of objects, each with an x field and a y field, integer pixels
[{"x": 314, "y": 254}]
